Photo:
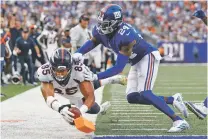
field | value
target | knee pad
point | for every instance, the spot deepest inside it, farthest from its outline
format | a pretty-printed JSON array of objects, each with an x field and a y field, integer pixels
[
  {"x": 96, "y": 84},
  {"x": 95, "y": 109}
]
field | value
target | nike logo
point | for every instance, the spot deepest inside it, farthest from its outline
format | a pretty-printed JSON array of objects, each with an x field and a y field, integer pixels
[{"x": 128, "y": 34}]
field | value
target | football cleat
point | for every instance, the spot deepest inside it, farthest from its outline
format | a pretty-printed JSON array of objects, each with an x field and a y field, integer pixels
[
  {"x": 104, "y": 107},
  {"x": 119, "y": 79},
  {"x": 178, "y": 104},
  {"x": 179, "y": 126},
  {"x": 199, "y": 110}
]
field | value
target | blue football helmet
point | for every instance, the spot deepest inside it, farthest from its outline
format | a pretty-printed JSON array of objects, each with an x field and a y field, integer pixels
[
  {"x": 61, "y": 65},
  {"x": 109, "y": 19}
]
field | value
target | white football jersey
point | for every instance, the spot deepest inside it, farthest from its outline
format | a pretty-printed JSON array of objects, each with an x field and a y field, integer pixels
[
  {"x": 51, "y": 37},
  {"x": 71, "y": 90}
]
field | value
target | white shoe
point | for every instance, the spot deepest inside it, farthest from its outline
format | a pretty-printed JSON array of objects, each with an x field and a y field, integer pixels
[
  {"x": 119, "y": 79},
  {"x": 178, "y": 103},
  {"x": 199, "y": 110},
  {"x": 104, "y": 107},
  {"x": 179, "y": 126}
]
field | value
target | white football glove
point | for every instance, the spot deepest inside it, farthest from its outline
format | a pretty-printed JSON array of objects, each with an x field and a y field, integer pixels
[
  {"x": 89, "y": 75},
  {"x": 77, "y": 58},
  {"x": 67, "y": 115}
]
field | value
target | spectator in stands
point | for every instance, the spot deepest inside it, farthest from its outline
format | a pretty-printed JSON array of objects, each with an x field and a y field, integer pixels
[{"x": 23, "y": 49}]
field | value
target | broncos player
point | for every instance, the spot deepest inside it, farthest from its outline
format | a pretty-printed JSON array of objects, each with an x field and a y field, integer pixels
[
  {"x": 129, "y": 45},
  {"x": 48, "y": 39},
  {"x": 61, "y": 76}
]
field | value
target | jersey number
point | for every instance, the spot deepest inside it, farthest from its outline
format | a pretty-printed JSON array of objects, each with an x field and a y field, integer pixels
[
  {"x": 46, "y": 70},
  {"x": 69, "y": 91},
  {"x": 122, "y": 30}
]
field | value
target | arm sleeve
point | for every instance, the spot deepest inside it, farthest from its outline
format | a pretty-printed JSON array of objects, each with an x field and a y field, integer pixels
[
  {"x": 88, "y": 46},
  {"x": 121, "y": 62}
]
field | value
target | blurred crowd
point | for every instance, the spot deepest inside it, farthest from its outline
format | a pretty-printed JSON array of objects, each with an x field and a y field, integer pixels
[{"x": 163, "y": 21}]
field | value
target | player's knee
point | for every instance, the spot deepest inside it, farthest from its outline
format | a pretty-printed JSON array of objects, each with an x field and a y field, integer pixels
[
  {"x": 96, "y": 84},
  {"x": 95, "y": 109},
  {"x": 133, "y": 97},
  {"x": 145, "y": 94}
]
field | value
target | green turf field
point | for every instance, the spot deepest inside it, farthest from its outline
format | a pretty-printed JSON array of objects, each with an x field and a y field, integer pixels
[
  {"x": 13, "y": 90},
  {"x": 191, "y": 81}
]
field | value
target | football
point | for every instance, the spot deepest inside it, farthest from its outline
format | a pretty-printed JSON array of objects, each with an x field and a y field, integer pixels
[{"x": 76, "y": 112}]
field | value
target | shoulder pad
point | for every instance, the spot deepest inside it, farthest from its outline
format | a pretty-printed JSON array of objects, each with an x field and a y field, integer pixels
[
  {"x": 44, "y": 73},
  {"x": 78, "y": 72}
]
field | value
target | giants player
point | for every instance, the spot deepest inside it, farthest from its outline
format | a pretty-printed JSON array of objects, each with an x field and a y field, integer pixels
[
  {"x": 48, "y": 39},
  {"x": 61, "y": 76},
  {"x": 129, "y": 46}
]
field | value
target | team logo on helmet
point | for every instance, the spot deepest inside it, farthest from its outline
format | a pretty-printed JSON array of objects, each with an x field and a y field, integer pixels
[{"x": 117, "y": 15}]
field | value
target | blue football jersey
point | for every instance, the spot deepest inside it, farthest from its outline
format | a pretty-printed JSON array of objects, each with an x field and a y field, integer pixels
[{"x": 123, "y": 37}]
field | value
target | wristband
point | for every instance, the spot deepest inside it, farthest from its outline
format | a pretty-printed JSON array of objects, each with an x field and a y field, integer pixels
[
  {"x": 53, "y": 103},
  {"x": 83, "y": 109}
]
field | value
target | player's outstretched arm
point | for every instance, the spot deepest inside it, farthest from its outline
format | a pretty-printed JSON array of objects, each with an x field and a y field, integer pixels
[
  {"x": 48, "y": 94},
  {"x": 88, "y": 46},
  {"x": 121, "y": 62},
  {"x": 87, "y": 90}
]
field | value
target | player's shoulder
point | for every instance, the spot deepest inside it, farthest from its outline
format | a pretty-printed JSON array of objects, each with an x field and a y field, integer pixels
[
  {"x": 44, "y": 73},
  {"x": 126, "y": 34},
  {"x": 78, "y": 72},
  {"x": 95, "y": 32}
]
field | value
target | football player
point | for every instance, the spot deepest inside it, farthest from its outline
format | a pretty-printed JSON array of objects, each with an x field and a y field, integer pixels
[
  {"x": 200, "y": 110},
  {"x": 129, "y": 45},
  {"x": 48, "y": 39},
  {"x": 61, "y": 76}
]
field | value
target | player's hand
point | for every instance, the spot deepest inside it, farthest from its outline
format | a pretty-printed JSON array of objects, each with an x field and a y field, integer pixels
[
  {"x": 89, "y": 75},
  {"x": 39, "y": 55},
  {"x": 200, "y": 14},
  {"x": 67, "y": 115},
  {"x": 77, "y": 58}
]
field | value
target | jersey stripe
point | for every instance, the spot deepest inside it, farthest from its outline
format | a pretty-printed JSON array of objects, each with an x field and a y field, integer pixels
[
  {"x": 153, "y": 63},
  {"x": 150, "y": 72},
  {"x": 147, "y": 72}
]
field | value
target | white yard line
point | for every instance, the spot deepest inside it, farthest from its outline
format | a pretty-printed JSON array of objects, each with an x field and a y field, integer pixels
[
  {"x": 130, "y": 110},
  {"x": 128, "y": 113},
  {"x": 36, "y": 119},
  {"x": 135, "y": 124},
  {"x": 122, "y": 101},
  {"x": 137, "y": 120},
  {"x": 130, "y": 116},
  {"x": 139, "y": 129}
]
